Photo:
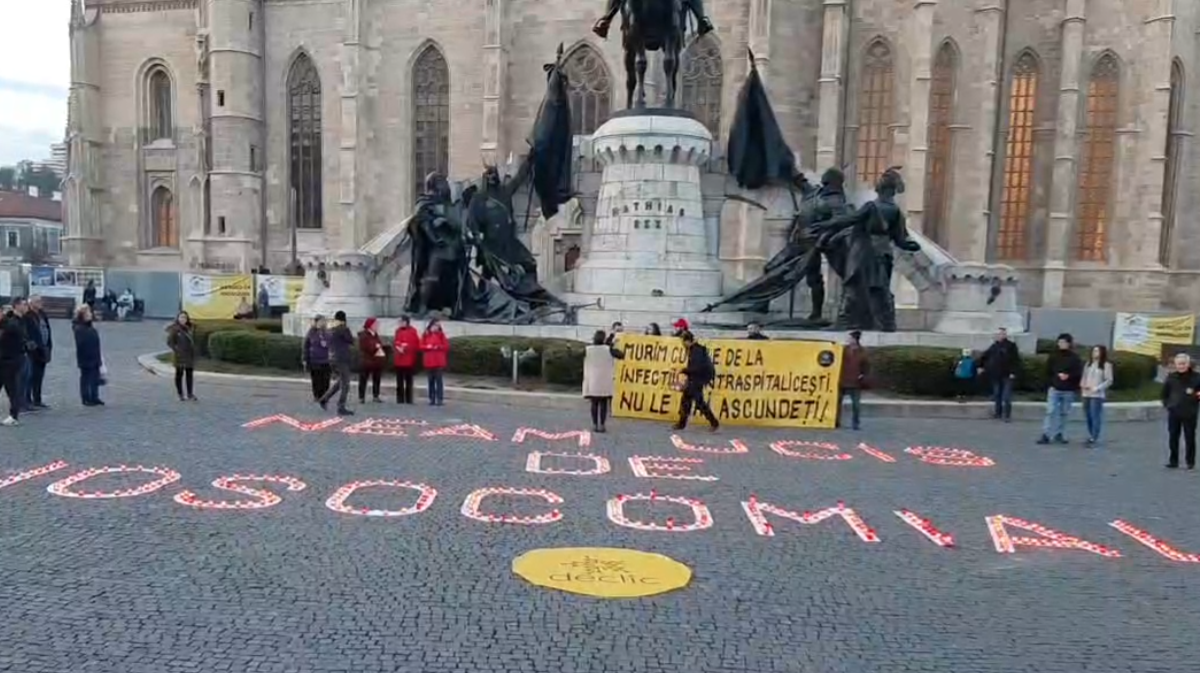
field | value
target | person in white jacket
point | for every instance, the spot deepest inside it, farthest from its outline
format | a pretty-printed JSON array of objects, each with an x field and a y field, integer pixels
[
  {"x": 1097, "y": 379},
  {"x": 599, "y": 369}
]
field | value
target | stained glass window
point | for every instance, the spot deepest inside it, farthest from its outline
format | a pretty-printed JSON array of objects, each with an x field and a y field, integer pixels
[
  {"x": 1096, "y": 169},
  {"x": 1011, "y": 243},
  {"x": 875, "y": 110},
  {"x": 941, "y": 116},
  {"x": 431, "y": 116},
  {"x": 304, "y": 133},
  {"x": 589, "y": 89}
]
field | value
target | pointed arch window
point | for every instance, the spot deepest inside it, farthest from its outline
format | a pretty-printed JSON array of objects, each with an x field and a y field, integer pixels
[
  {"x": 159, "y": 117},
  {"x": 1173, "y": 155},
  {"x": 589, "y": 89},
  {"x": 941, "y": 116},
  {"x": 875, "y": 110},
  {"x": 162, "y": 208},
  {"x": 1011, "y": 239},
  {"x": 701, "y": 81},
  {"x": 304, "y": 143},
  {"x": 1099, "y": 156},
  {"x": 431, "y": 116}
]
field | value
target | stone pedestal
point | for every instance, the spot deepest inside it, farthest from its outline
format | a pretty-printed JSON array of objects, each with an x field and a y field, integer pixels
[
  {"x": 348, "y": 289},
  {"x": 313, "y": 287},
  {"x": 648, "y": 257}
]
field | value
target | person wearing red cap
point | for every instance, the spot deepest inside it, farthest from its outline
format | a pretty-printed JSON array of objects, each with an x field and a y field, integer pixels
[
  {"x": 681, "y": 327},
  {"x": 371, "y": 361}
]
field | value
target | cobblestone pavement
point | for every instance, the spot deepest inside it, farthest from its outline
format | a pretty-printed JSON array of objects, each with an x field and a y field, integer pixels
[{"x": 145, "y": 585}]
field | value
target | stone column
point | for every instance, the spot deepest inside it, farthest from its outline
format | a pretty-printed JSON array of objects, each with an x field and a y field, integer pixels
[
  {"x": 352, "y": 233},
  {"x": 760, "y": 35},
  {"x": 1157, "y": 52},
  {"x": 1066, "y": 155},
  {"x": 832, "y": 82},
  {"x": 990, "y": 23},
  {"x": 495, "y": 69},
  {"x": 920, "y": 44}
]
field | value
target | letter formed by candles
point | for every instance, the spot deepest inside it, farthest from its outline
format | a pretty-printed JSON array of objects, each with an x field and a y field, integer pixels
[
  {"x": 582, "y": 436},
  {"x": 470, "y": 506},
  {"x": 32, "y": 473},
  {"x": 735, "y": 446},
  {"x": 872, "y": 451},
  {"x": 938, "y": 455},
  {"x": 701, "y": 517},
  {"x": 666, "y": 467},
  {"x": 757, "y": 513},
  {"x": 382, "y": 427},
  {"x": 925, "y": 527},
  {"x": 467, "y": 430},
  {"x": 284, "y": 419},
  {"x": 1162, "y": 547},
  {"x": 1047, "y": 539},
  {"x": 425, "y": 497},
  {"x": 824, "y": 450},
  {"x": 534, "y": 464},
  {"x": 262, "y": 497},
  {"x": 64, "y": 487}
]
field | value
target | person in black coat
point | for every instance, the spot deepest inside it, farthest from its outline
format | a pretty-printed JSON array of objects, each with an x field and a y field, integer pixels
[
  {"x": 88, "y": 357},
  {"x": 699, "y": 372},
  {"x": 41, "y": 339},
  {"x": 1001, "y": 363},
  {"x": 1181, "y": 398},
  {"x": 13, "y": 347},
  {"x": 1064, "y": 369}
]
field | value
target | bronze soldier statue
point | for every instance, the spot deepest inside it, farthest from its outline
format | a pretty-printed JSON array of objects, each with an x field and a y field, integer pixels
[
  {"x": 820, "y": 204},
  {"x": 438, "y": 251},
  {"x": 695, "y": 7}
]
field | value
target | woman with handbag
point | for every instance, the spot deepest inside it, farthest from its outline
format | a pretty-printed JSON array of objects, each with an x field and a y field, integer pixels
[{"x": 88, "y": 357}]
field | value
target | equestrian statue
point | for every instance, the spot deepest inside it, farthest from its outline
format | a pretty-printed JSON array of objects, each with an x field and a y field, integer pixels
[{"x": 652, "y": 25}]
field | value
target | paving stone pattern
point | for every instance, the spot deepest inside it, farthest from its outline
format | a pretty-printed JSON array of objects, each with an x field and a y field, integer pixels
[{"x": 144, "y": 585}]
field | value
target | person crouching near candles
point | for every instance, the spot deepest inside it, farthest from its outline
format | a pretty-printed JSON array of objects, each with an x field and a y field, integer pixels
[
  {"x": 599, "y": 370},
  {"x": 1181, "y": 398}
]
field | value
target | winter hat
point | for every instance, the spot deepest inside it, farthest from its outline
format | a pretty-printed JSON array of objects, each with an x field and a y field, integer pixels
[
  {"x": 369, "y": 324},
  {"x": 340, "y": 316},
  {"x": 682, "y": 325}
]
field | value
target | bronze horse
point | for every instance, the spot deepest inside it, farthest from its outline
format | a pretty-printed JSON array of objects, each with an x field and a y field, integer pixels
[{"x": 651, "y": 25}]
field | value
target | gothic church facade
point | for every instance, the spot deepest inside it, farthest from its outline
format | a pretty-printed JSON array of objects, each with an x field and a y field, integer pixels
[{"x": 1051, "y": 135}]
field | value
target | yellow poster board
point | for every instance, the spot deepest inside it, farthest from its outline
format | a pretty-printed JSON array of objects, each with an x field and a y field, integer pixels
[
  {"x": 281, "y": 290},
  {"x": 786, "y": 384},
  {"x": 602, "y": 572},
  {"x": 216, "y": 297},
  {"x": 1146, "y": 334}
]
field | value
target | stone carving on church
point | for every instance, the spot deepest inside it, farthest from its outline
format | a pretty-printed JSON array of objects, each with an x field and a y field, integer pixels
[{"x": 652, "y": 25}]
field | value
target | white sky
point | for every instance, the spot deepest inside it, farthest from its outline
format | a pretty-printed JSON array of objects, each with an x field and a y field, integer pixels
[{"x": 35, "y": 74}]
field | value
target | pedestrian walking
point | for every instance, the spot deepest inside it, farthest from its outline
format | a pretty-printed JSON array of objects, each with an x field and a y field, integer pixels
[
  {"x": 1097, "y": 379},
  {"x": 599, "y": 367},
  {"x": 698, "y": 374},
  {"x": 1001, "y": 363},
  {"x": 406, "y": 346},
  {"x": 680, "y": 327},
  {"x": 856, "y": 366},
  {"x": 1181, "y": 398},
  {"x": 41, "y": 338},
  {"x": 435, "y": 349},
  {"x": 12, "y": 358},
  {"x": 181, "y": 339},
  {"x": 315, "y": 358},
  {"x": 341, "y": 344},
  {"x": 1064, "y": 369},
  {"x": 371, "y": 361},
  {"x": 964, "y": 375},
  {"x": 88, "y": 357}
]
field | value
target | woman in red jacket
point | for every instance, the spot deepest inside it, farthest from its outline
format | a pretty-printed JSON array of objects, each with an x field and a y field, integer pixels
[
  {"x": 406, "y": 345},
  {"x": 436, "y": 349},
  {"x": 373, "y": 357}
]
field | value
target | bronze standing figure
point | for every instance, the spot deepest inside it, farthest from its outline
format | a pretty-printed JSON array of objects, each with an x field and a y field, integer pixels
[{"x": 652, "y": 25}]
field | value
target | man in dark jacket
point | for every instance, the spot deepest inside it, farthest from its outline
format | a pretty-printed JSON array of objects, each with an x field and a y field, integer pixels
[
  {"x": 699, "y": 372},
  {"x": 37, "y": 329},
  {"x": 855, "y": 369},
  {"x": 1181, "y": 398},
  {"x": 88, "y": 357},
  {"x": 341, "y": 348},
  {"x": 1064, "y": 369},
  {"x": 1001, "y": 364},
  {"x": 13, "y": 354}
]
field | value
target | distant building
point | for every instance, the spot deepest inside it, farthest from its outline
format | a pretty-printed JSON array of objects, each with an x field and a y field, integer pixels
[
  {"x": 31, "y": 229},
  {"x": 57, "y": 161}
]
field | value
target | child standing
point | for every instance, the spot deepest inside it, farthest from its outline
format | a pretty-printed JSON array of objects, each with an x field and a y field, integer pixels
[
  {"x": 599, "y": 366},
  {"x": 1097, "y": 379},
  {"x": 964, "y": 375},
  {"x": 436, "y": 349}
]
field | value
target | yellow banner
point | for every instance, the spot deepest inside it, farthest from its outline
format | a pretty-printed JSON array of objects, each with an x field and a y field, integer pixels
[
  {"x": 281, "y": 290},
  {"x": 1145, "y": 334},
  {"x": 217, "y": 297},
  {"x": 791, "y": 384}
]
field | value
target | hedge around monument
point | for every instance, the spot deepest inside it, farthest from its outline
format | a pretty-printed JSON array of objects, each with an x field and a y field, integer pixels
[
  {"x": 204, "y": 329},
  {"x": 917, "y": 371}
]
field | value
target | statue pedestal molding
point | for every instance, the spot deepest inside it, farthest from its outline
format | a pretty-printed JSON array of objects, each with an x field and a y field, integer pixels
[
  {"x": 348, "y": 289},
  {"x": 313, "y": 286},
  {"x": 648, "y": 257}
]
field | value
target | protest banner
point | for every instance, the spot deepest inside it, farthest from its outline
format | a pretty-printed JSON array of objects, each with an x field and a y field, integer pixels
[
  {"x": 216, "y": 297},
  {"x": 282, "y": 290},
  {"x": 792, "y": 384},
  {"x": 1146, "y": 334}
]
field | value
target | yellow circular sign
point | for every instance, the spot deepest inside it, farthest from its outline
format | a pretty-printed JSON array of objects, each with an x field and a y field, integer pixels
[{"x": 602, "y": 572}]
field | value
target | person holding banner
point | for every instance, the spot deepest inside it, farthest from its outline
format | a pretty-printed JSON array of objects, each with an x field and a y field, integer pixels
[
  {"x": 698, "y": 373},
  {"x": 599, "y": 368},
  {"x": 1181, "y": 399}
]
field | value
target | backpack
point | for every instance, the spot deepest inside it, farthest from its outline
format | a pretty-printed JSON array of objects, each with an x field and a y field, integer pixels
[{"x": 708, "y": 371}]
